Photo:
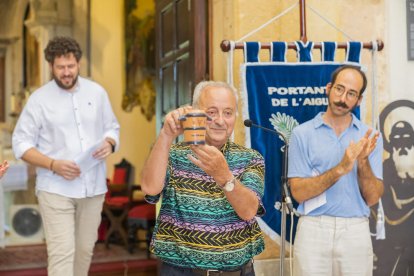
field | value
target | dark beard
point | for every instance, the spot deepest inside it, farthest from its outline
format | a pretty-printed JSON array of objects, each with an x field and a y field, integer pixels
[{"x": 61, "y": 85}]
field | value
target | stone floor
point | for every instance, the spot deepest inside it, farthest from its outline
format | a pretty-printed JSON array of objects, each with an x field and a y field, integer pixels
[{"x": 32, "y": 260}]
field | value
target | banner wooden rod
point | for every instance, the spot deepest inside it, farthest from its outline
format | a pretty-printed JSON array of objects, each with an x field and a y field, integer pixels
[
  {"x": 302, "y": 6},
  {"x": 225, "y": 45}
]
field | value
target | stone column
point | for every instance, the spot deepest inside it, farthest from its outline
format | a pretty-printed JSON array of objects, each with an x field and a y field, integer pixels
[{"x": 49, "y": 18}]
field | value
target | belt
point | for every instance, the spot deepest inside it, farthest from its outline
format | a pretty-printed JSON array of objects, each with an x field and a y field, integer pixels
[{"x": 237, "y": 272}]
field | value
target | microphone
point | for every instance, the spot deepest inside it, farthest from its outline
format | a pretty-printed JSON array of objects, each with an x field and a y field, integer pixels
[
  {"x": 288, "y": 200},
  {"x": 249, "y": 123}
]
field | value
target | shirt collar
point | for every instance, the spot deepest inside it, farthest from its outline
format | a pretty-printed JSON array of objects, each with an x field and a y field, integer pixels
[
  {"x": 318, "y": 121},
  {"x": 225, "y": 147}
]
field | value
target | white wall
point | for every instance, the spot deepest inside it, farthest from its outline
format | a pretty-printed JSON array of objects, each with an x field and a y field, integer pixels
[{"x": 400, "y": 70}]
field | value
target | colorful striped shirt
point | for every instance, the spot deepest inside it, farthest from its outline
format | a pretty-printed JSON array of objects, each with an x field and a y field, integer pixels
[{"x": 197, "y": 227}]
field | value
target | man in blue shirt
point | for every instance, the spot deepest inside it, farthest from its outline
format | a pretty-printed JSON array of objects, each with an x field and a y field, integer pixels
[{"x": 335, "y": 173}]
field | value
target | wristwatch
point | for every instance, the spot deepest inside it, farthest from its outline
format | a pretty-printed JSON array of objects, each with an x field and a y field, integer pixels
[
  {"x": 229, "y": 186},
  {"x": 112, "y": 145}
]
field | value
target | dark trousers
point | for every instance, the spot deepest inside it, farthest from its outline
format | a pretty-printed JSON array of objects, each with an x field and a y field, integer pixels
[{"x": 170, "y": 270}]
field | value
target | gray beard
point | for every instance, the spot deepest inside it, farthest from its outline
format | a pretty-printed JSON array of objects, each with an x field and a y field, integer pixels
[{"x": 404, "y": 164}]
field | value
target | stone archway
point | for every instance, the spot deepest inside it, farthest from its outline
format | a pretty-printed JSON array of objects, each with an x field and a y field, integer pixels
[
  {"x": 41, "y": 20},
  {"x": 11, "y": 26}
]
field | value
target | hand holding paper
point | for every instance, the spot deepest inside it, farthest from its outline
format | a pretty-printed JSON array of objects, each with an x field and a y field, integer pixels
[
  {"x": 67, "y": 169},
  {"x": 315, "y": 202},
  {"x": 103, "y": 151},
  {"x": 86, "y": 159}
]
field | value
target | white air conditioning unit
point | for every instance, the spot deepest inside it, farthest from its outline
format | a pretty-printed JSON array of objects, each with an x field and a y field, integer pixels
[{"x": 25, "y": 225}]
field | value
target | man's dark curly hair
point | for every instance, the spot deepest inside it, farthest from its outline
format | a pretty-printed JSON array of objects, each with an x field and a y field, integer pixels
[{"x": 61, "y": 46}]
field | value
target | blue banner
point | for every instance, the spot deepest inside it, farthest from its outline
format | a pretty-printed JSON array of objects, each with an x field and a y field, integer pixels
[{"x": 279, "y": 96}]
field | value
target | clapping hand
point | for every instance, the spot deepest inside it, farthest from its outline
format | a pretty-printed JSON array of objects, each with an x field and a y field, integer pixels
[
  {"x": 359, "y": 151},
  {"x": 369, "y": 145},
  {"x": 352, "y": 152}
]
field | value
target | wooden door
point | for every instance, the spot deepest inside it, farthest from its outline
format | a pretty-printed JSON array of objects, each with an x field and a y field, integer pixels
[
  {"x": 2, "y": 88},
  {"x": 181, "y": 47}
]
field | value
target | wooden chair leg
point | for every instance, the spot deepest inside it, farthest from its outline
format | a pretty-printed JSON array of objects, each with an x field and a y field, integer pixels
[
  {"x": 149, "y": 236},
  {"x": 140, "y": 224},
  {"x": 132, "y": 237},
  {"x": 116, "y": 225}
]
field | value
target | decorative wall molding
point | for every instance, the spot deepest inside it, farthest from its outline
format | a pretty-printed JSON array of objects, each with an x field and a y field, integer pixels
[{"x": 47, "y": 19}]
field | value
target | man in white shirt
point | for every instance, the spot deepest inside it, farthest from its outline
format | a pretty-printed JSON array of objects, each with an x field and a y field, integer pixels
[{"x": 62, "y": 121}]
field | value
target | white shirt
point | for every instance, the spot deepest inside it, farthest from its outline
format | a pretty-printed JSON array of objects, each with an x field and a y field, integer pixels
[{"x": 62, "y": 124}]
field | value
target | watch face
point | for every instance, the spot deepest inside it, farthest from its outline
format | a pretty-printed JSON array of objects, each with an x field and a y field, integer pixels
[{"x": 229, "y": 186}]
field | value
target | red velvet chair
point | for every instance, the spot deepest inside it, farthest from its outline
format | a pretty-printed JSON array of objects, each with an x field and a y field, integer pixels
[
  {"x": 117, "y": 202},
  {"x": 141, "y": 216}
]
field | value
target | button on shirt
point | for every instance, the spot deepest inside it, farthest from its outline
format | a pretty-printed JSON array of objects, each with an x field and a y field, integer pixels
[
  {"x": 314, "y": 148},
  {"x": 61, "y": 125}
]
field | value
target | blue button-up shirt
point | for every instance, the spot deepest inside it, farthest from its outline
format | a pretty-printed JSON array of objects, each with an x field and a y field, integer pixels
[{"x": 315, "y": 148}]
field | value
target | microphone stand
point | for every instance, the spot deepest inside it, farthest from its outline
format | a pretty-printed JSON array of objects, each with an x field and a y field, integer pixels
[
  {"x": 286, "y": 203},
  {"x": 286, "y": 199}
]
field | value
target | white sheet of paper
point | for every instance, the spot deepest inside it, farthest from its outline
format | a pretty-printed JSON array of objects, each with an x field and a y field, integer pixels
[
  {"x": 16, "y": 177},
  {"x": 315, "y": 202},
  {"x": 86, "y": 161}
]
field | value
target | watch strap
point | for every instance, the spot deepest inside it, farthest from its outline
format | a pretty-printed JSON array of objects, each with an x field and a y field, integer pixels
[{"x": 112, "y": 145}]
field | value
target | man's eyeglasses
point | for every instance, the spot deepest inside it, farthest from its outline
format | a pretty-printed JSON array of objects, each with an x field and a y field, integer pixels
[{"x": 350, "y": 94}]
